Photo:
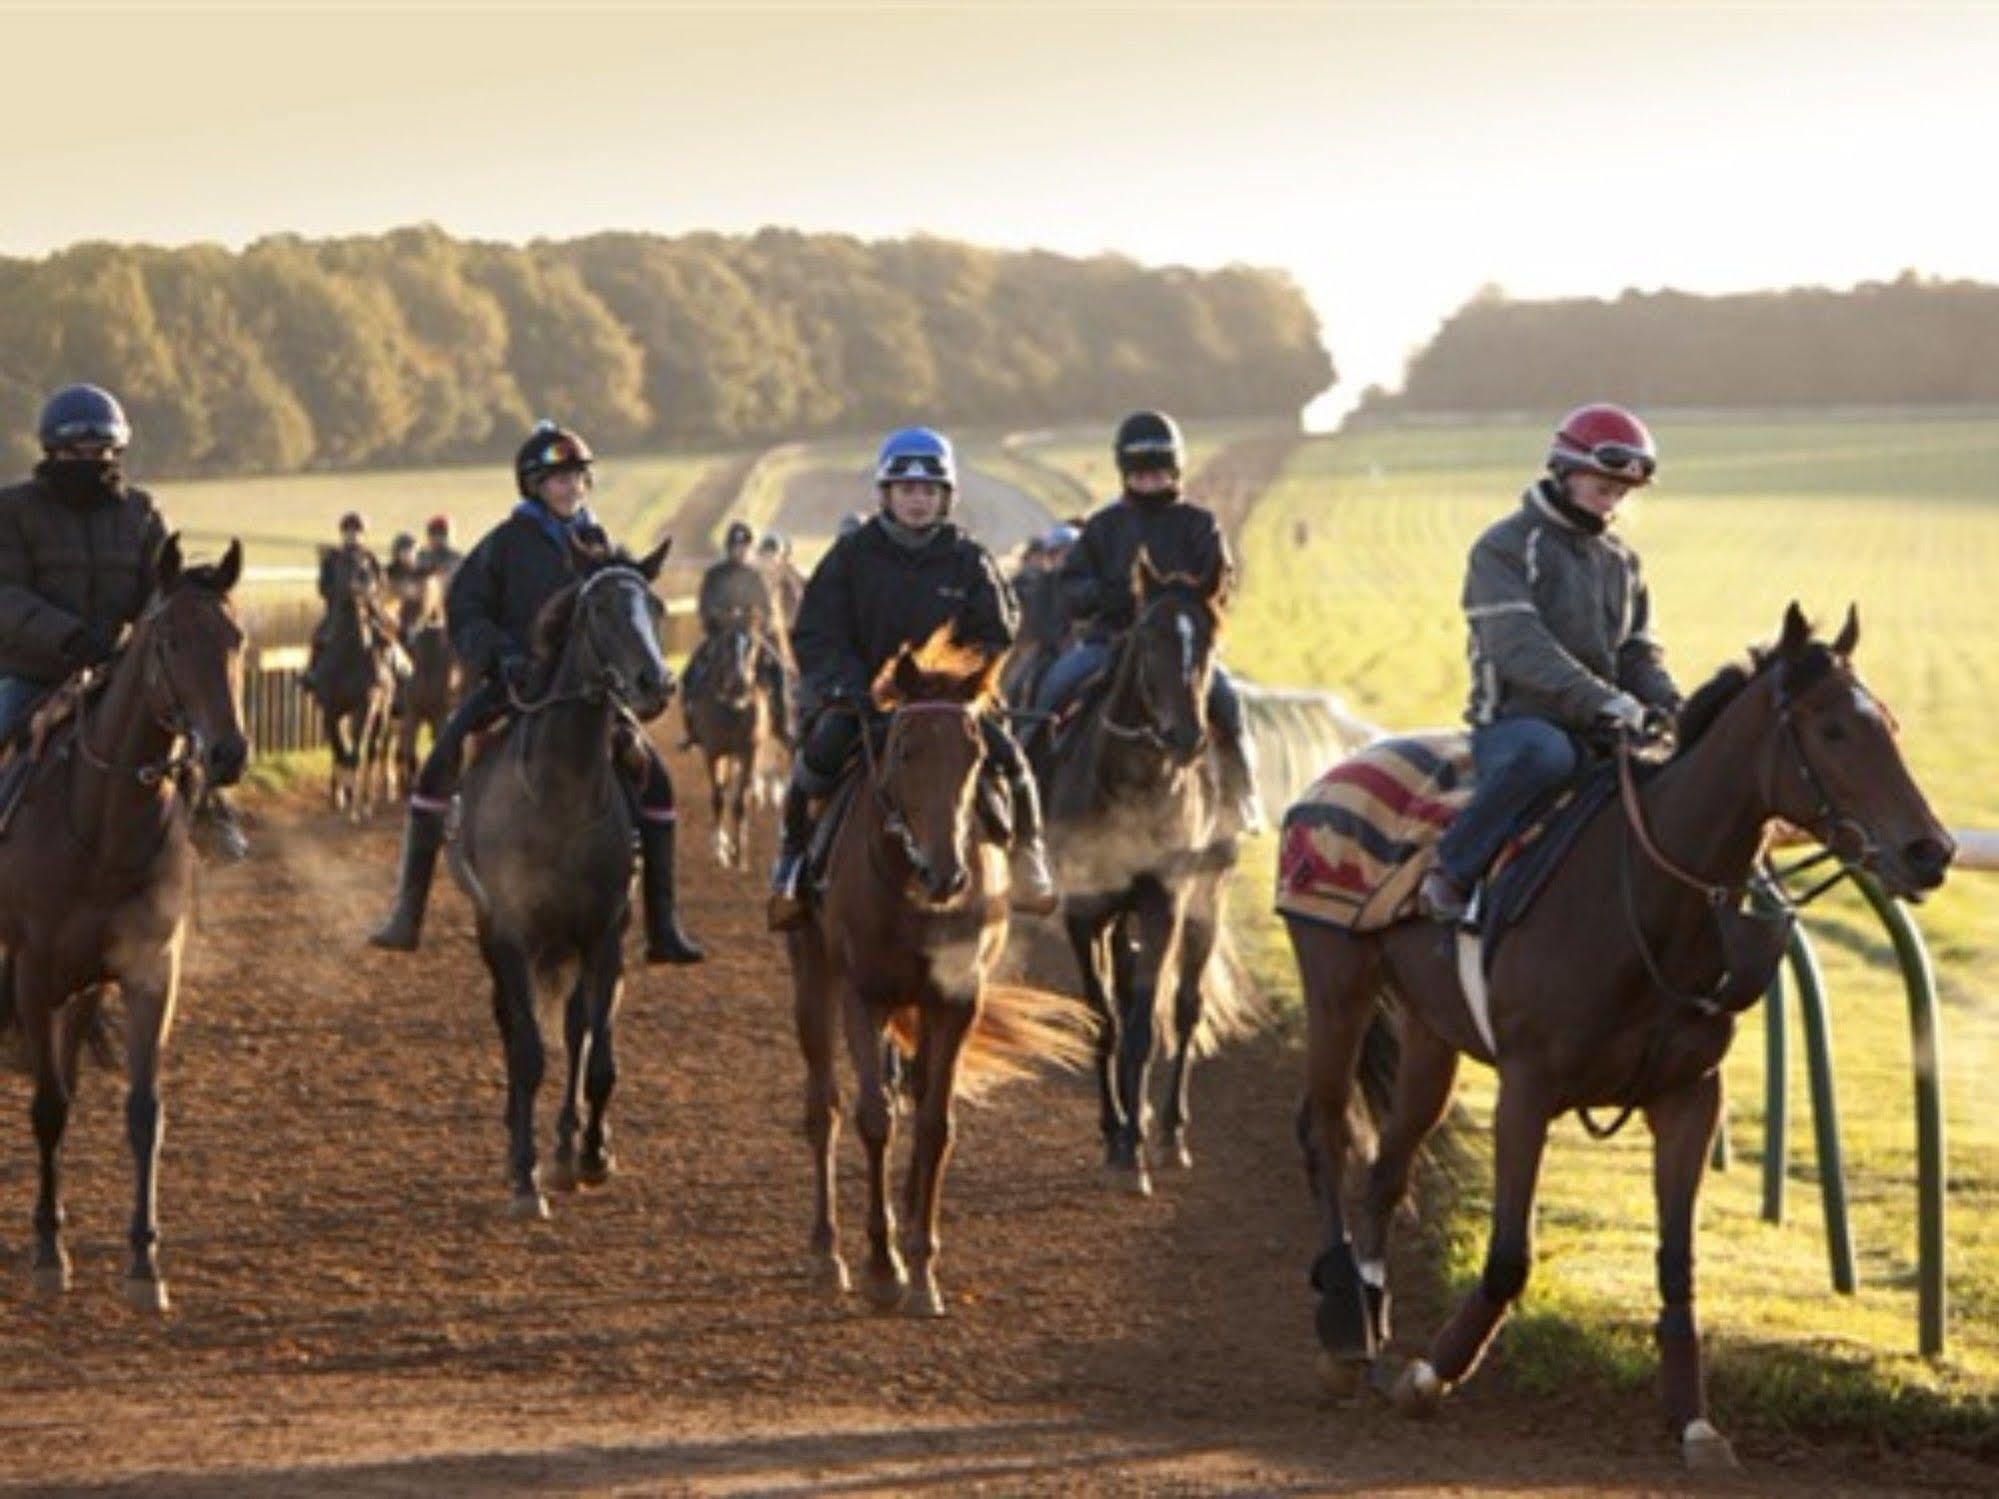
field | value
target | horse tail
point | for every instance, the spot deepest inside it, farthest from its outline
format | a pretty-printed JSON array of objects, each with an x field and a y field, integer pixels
[
  {"x": 1233, "y": 1007},
  {"x": 1019, "y": 1031}
]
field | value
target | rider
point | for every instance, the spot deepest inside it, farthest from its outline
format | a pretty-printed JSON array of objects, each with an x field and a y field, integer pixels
[
  {"x": 733, "y": 590},
  {"x": 891, "y": 584},
  {"x": 337, "y": 565},
  {"x": 499, "y": 590},
  {"x": 781, "y": 574},
  {"x": 439, "y": 555},
  {"x": 1561, "y": 640},
  {"x": 77, "y": 550},
  {"x": 1096, "y": 586},
  {"x": 403, "y": 571}
]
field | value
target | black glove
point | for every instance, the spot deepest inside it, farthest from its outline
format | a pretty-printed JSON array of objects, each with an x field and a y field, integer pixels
[
  {"x": 1658, "y": 723},
  {"x": 512, "y": 670},
  {"x": 91, "y": 645}
]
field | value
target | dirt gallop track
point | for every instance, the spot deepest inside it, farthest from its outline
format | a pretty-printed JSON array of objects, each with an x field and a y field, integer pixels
[{"x": 355, "y": 1314}]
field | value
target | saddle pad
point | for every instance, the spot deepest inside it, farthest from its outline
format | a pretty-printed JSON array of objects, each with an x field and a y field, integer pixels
[
  {"x": 1525, "y": 865},
  {"x": 1356, "y": 845}
]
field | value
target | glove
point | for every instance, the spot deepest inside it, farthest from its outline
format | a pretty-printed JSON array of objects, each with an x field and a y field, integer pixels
[
  {"x": 512, "y": 670},
  {"x": 1623, "y": 712},
  {"x": 91, "y": 645},
  {"x": 1659, "y": 722}
]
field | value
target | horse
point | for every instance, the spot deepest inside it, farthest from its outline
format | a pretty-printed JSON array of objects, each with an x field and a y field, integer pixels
[
  {"x": 97, "y": 878},
  {"x": 545, "y": 851},
  {"x": 729, "y": 718},
  {"x": 356, "y": 686},
  {"x": 1142, "y": 855},
  {"x": 432, "y": 686},
  {"x": 1618, "y": 989},
  {"x": 900, "y": 944}
]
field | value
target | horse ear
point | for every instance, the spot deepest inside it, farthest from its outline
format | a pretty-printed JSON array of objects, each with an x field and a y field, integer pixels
[
  {"x": 167, "y": 562},
  {"x": 906, "y": 677},
  {"x": 231, "y": 569},
  {"x": 1849, "y": 634},
  {"x": 653, "y": 561},
  {"x": 1797, "y": 631}
]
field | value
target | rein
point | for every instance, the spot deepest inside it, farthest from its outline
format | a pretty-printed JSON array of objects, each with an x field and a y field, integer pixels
[
  {"x": 1130, "y": 666},
  {"x": 893, "y": 821},
  {"x": 184, "y": 747}
]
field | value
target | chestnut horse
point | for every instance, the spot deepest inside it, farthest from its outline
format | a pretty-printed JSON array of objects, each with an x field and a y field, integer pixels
[
  {"x": 1617, "y": 990},
  {"x": 911, "y": 920},
  {"x": 97, "y": 876}
]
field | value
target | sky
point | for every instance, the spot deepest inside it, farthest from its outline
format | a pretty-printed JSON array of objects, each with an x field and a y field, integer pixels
[{"x": 1393, "y": 158}]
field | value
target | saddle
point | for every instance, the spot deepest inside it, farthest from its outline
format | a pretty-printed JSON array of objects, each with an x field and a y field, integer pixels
[{"x": 60, "y": 711}]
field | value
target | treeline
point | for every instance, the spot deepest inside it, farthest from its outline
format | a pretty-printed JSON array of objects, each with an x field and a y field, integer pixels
[
  {"x": 414, "y": 347},
  {"x": 1909, "y": 342}
]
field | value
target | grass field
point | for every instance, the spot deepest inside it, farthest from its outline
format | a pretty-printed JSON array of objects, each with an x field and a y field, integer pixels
[{"x": 1352, "y": 567}]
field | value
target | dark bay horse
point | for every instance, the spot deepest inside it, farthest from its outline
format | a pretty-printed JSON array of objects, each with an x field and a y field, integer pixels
[
  {"x": 431, "y": 689},
  {"x": 1142, "y": 855},
  {"x": 356, "y": 688},
  {"x": 546, "y": 851},
  {"x": 1617, "y": 990},
  {"x": 729, "y": 718},
  {"x": 97, "y": 873},
  {"x": 912, "y": 918}
]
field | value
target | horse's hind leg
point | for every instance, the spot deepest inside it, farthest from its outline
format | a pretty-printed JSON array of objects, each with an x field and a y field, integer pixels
[
  {"x": 884, "y": 1281},
  {"x": 561, "y": 1175},
  {"x": 815, "y": 1009},
  {"x": 513, "y": 1006},
  {"x": 595, "y": 1165},
  {"x": 945, "y": 1028},
  {"x": 1197, "y": 945},
  {"x": 149, "y": 1006}
]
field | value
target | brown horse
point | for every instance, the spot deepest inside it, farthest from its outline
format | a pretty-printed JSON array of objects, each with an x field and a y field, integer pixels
[
  {"x": 356, "y": 689},
  {"x": 729, "y": 718},
  {"x": 431, "y": 689},
  {"x": 1143, "y": 855},
  {"x": 97, "y": 873},
  {"x": 1618, "y": 989},
  {"x": 912, "y": 919}
]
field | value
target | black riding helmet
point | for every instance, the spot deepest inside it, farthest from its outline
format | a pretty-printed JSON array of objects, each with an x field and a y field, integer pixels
[
  {"x": 549, "y": 450},
  {"x": 1149, "y": 440},
  {"x": 739, "y": 535}
]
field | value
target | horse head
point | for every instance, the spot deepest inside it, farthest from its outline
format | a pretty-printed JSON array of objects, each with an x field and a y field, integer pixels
[
  {"x": 1162, "y": 686},
  {"x": 191, "y": 647},
  {"x": 927, "y": 781},
  {"x": 734, "y": 680},
  {"x": 600, "y": 637}
]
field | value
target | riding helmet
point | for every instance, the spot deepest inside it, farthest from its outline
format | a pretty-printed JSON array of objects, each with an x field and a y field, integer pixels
[
  {"x": 917, "y": 453},
  {"x": 1149, "y": 440},
  {"x": 550, "y": 449},
  {"x": 353, "y": 520},
  {"x": 83, "y": 414},
  {"x": 1604, "y": 439},
  {"x": 739, "y": 534}
]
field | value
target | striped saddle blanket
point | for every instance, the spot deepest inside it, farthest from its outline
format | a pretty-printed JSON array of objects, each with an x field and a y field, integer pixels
[{"x": 1357, "y": 844}]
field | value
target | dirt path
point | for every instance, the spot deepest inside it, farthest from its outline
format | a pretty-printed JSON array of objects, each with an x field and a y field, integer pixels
[{"x": 354, "y": 1314}]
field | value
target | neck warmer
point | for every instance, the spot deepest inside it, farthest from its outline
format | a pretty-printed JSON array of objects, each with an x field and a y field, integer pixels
[
  {"x": 1557, "y": 496},
  {"x": 907, "y": 537},
  {"x": 554, "y": 526},
  {"x": 83, "y": 481}
]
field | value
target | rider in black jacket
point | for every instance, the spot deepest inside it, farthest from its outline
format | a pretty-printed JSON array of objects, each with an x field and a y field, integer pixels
[
  {"x": 495, "y": 597},
  {"x": 889, "y": 584}
]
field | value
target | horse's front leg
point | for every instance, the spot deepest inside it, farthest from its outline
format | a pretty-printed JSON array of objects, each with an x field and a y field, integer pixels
[
  {"x": 1089, "y": 939},
  {"x": 1519, "y": 1137},
  {"x": 561, "y": 1175},
  {"x": 945, "y": 1027},
  {"x": 342, "y": 757},
  {"x": 35, "y": 1002},
  {"x": 1155, "y": 918},
  {"x": 816, "y": 1006},
  {"x": 606, "y": 980},
  {"x": 1683, "y": 1125},
  {"x": 1197, "y": 946},
  {"x": 745, "y": 773},
  {"x": 884, "y": 1281},
  {"x": 513, "y": 1008},
  {"x": 717, "y": 796},
  {"x": 149, "y": 1008}
]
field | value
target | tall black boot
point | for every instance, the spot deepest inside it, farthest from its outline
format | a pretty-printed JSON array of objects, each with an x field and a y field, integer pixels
[
  {"x": 665, "y": 941},
  {"x": 787, "y": 903},
  {"x": 1034, "y": 889},
  {"x": 423, "y": 836}
]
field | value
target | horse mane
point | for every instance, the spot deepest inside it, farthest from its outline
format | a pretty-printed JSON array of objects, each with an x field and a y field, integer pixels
[
  {"x": 942, "y": 669},
  {"x": 1712, "y": 698}
]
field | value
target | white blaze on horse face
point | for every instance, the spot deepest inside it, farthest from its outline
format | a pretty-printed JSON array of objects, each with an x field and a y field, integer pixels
[
  {"x": 1869, "y": 706},
  {"x": 1186, "y": 624},
  {"x": 641, "y": 621}
]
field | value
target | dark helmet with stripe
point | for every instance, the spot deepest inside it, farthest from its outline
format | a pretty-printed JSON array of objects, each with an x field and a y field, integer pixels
[
  {"x": 1149, "y": 440},
  {"x": 353, "y": 520},
  {"x": 739, "y": 534},
  {"x": 83, "y": 414},
  {"x": 549, "y": 450}
]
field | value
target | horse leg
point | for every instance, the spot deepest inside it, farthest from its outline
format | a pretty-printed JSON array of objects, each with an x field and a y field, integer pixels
[
  {"x": 945, "y": 1028},
  {"x": 1155, "y": 915},
  {"x": 1683, "y": 1125},
  {"x": 596, "y": 1164},
  {"x": 1197, "y": 946},
  {"x": 815, "y": 1003},
  {"x": 35, "y": 1002},
  {"x": 745, "y": 773},
  {"x": 884, "y": 1281},
  {"x": 336, "y": 742},
  {"x": 1335, "y": 972},
  {"x": 561, "y": 1175},
  {"x": 1519, "y": 1136},
  {"x": 1090, "y": 940},
  {"x": 149, "y": 1009},
  {"x": 513, "y": 1004},
  {"x": 717, "y": 775}
]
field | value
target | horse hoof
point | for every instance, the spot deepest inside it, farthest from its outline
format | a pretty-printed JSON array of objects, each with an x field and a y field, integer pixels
[
  {"x": 1175, "y": 1155},
  {"x": 1707, "y": 1450},
  {"x": 1418, "y": 1391},
  {"x": 560, "y": 1175},
  {"x": 50, "y": 1281},
  {"x": 1131, "y": 1180},
  {"x": 1341, "y": 1378},
  {"x": 143, "y": 1295},
  {"x": 925, "y": 1300},
  {"x": 529, "y": 1207},
  {"x": 828, "y": 1275},
  {"x": 884, "y": 1292},
  {"x": 594, "y": 1171}
]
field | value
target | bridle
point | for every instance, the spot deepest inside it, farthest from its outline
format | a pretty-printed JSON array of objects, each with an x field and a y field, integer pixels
[
  {"x": 606, "y": 684},
  {"x": 1147, "y": 730},
  {"x": 894, "y": 822},
  {"x": 185, "y": 747}
]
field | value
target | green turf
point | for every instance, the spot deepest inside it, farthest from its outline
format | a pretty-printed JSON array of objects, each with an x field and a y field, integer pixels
[{"x": 1902, "y": 517}]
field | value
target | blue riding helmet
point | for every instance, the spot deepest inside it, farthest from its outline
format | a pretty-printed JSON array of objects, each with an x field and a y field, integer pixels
[
  {"x": 83, "y": 414},
  {"x": 1064, "y": 535},
  {"x": 917, "y": 453}
]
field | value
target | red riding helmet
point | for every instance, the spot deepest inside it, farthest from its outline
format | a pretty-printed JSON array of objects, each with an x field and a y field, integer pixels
[
  {"x": 1607, "y": 440},
  {"x": 438, "y": 525}
]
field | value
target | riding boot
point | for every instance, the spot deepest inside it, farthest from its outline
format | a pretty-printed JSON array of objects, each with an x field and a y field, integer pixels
[
  {"x": 665, "y": 941},
  {"x": 423, "y": 836},
  {"x": 1238, "y": 783},
  {"x": 787, "y": 904},
  {"x": 1034, "y": 891}
]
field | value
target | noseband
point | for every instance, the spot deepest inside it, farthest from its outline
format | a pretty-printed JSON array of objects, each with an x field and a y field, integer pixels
[
  {"x": 1147, "y": 730},
  {"x": 604, "y": 685},
  {"x": 893, "y": 820}
]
